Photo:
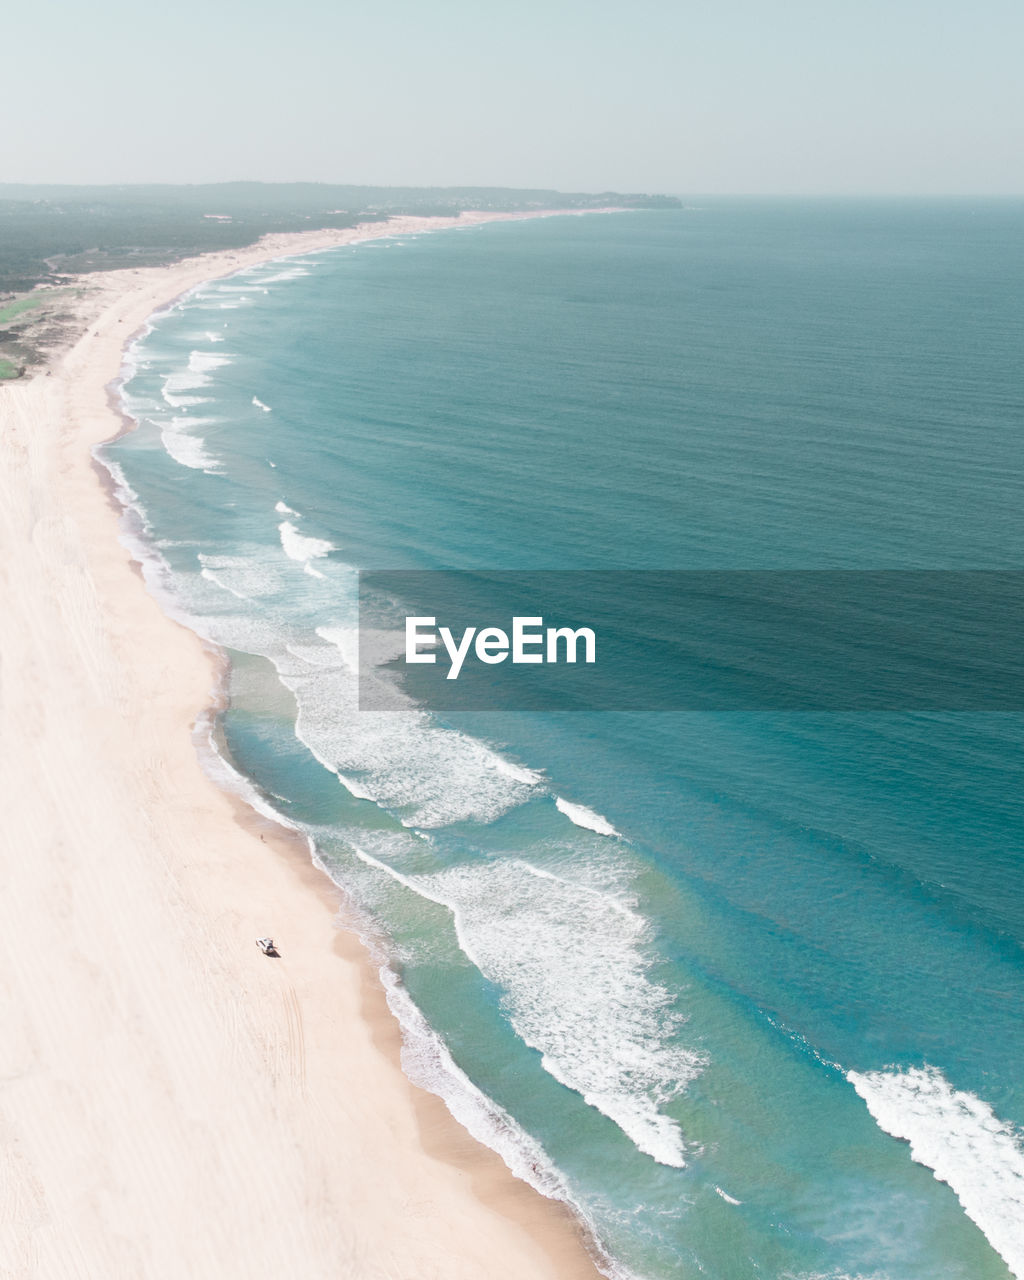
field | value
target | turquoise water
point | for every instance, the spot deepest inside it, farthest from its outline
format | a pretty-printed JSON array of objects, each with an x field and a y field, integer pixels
[{"x": 741, "y": 987}]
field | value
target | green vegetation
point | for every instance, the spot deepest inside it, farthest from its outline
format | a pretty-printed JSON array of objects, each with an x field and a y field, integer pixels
[
  {"x": 19, "y": 306},
  {"x": 50, "y": 232},
  {"x": 30, "y": 326}
]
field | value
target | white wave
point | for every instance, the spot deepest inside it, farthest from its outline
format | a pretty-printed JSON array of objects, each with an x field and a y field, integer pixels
[
  {"x": 428, "y": 1064},
  {"x": 136, "y": 534},
  {"x": 186, "y": 449},
  {"x": 726, "y": 1197},
  {"x": 292, "y": 273},
  {"x": 835, "y": 1274},
  {"x": 123, "y": 492},
  {"x": 586, "y": 818},
  {"x": 959, "y": 1137},
  {"x": 218, "y": 767},
  {"x": 203, "y": 362},
  {"x": 260, "y": 405},
  {"x": 297, "y": 546},
  {"x": 246, "y": 577},
  {"x": 192, "y": 378},
  {"x": 343, "y": 640},
  {"x": 140, "y": 406},
  {"x": 214, "y": 337},
  {"x": 210, "y": 576},
  {"x": 283, "y": 509},
  {"x": 170, "y": 394},
  {"x": 430, "y": 776},
  {"x": 353, "y": 788},
  {"x": 176, "y": 383},
  {"x": 518, "y": 772},
  {"x": 426, "y": 775},
  {"x": 135, "y": 531},
  {"x": 572, "y": 965}
]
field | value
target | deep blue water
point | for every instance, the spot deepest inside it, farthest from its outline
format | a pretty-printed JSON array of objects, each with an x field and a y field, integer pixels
[{"x": 802, "y": 941}]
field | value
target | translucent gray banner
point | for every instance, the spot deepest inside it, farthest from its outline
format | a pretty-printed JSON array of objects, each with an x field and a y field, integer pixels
[{"x": 615, "y": 640}]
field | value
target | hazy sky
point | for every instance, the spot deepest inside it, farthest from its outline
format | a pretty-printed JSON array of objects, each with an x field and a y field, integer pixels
[{"x": 806, "y": 96}]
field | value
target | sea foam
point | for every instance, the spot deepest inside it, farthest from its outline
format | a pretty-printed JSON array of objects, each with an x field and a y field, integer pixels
[
  {"x": 290, "y": 273},
  {"x": 300, "y": 547},
  {"x": 963, "y": 1142},
  {"x": 186, "y": 449},
  {"x": 428, "y": 1064},
  {"x": 572, "y": 965},
  {"x": 586, "y": 818},
  {"x": 426, "y": 775},
  {"x": 193, "y": 377}
]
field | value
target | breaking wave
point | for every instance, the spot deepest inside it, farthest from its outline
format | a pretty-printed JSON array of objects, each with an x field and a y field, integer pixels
[
  {"x": 572, "y": 964},
  {"x": 963, "y": 1142},
  {"x": 586, "y": 818}
]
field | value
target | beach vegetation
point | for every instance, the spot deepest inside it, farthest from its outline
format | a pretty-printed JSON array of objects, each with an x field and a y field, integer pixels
[
  {"x": 49, "y": 235},
  {"x": 50, "y": 232},
  {"x": 18, "y": 307}
]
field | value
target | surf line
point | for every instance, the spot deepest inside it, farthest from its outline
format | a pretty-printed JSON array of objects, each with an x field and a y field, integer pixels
[{"x": 493, "y": 644}]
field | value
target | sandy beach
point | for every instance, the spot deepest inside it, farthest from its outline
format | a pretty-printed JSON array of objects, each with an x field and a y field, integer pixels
[{"x": 173, "y": 1103}]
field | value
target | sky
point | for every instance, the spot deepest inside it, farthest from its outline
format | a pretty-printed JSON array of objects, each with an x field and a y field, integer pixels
[{"x": 677, "y": 96}]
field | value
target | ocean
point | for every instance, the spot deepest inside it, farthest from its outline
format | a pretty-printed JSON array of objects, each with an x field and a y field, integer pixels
[{"x": 742, "y": 987}]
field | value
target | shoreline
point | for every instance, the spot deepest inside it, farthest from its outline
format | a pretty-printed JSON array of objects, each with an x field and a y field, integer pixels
[{"x": 159, "y": 1070}]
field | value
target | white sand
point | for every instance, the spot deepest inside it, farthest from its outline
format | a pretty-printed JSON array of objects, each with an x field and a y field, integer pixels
[{"x": 173, "y": 1103}]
